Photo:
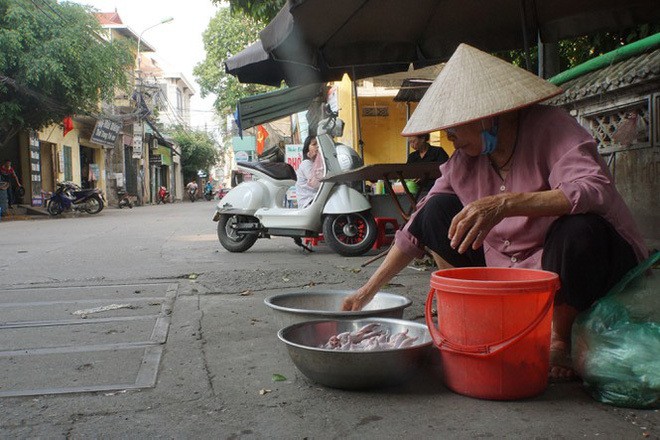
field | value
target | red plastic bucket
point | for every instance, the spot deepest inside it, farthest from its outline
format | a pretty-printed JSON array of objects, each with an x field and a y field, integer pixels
[{"x": 493, "y": 329}]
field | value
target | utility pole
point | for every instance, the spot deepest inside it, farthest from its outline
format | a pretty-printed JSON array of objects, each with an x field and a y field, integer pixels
[{"x": 138, "y": 126}]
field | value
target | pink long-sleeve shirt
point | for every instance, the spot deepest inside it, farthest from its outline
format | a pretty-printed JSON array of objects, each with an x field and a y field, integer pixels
[{"x": 553, "y": 152}]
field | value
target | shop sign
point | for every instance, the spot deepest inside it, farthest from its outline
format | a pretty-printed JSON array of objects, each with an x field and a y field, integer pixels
[
  {"x": 293, "y": 155},
  {"x": 137, "y": 140},
  {"x": 106, "y": 132},
  {"x": 155, "y": 159},
  {"x": 241, "y": 156}
]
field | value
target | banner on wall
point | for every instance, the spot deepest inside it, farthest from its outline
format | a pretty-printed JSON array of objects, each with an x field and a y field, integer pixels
[
  {"x": 94, "y": 172},
  {"x": 35, "y": 170}
]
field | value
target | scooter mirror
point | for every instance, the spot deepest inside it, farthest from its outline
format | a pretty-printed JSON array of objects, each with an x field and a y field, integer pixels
[{"x": 332, "y": 126}]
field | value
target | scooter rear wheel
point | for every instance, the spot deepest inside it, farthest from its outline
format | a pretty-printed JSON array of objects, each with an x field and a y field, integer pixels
[
  {"x": 232, "y": 240},
  {"x": 350, "y": 235}
]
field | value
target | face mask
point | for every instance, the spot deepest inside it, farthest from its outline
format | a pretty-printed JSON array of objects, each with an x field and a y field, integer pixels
[{"x": 489, "y": 138}]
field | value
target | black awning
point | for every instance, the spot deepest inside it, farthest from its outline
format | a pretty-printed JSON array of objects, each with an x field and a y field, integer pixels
[{"x": 266, "y": 107}]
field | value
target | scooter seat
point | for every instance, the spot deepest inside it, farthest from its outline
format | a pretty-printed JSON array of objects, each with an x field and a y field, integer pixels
[
  {"x": 84, "y": 192},
  {"x": 276, "y": 170}
]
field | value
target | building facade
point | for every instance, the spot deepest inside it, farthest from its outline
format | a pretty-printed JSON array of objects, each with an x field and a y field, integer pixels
[{"x": 619, "y": 103}]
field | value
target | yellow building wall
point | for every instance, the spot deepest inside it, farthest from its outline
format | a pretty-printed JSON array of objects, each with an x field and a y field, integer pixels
[
  {"x": 381, "y": 135},
  {"x": 347, "y": 112},
  {"x": 54, "y": 135}
]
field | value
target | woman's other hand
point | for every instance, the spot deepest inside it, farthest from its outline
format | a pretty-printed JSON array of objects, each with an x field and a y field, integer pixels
[{"x": 470, "y": 226}]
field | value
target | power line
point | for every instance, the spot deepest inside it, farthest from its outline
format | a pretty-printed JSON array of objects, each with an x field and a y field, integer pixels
[
  {"x": 30, "y": 12},
  {"x": 33, "y": 93},
  {"x": 61, "y": 21},
  {"x": 64, "y": 21},
  {"x": 44, "y": 12}
]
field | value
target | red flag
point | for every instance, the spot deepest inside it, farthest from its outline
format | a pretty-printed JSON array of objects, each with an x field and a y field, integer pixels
[
  {"x": 262, "y": 134},
  {"x": 68, "y": 124}
]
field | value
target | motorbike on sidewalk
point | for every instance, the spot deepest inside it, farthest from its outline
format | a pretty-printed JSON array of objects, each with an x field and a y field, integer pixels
[
  {"x": 258, "y": 208},
  {"x": 124, "y": 199},
  {"x": 163, "y": 196},
  {"x": 70, "y": 197}
]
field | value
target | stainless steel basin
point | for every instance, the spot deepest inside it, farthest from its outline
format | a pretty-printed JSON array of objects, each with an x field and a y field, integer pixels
[
  {"x": 355, "y": 369},
  {"x": 295, "y": 307}
]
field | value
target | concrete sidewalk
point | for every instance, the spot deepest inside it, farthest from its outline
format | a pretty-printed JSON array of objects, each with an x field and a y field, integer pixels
[
  {"x": 24, "y": 212},
  {"x": 216, "y": 371}
]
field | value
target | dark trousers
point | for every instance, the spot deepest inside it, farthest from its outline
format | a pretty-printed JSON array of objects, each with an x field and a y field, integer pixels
[
  {"x": 584, "y": 249},
  {"x": 10, "y": 191}
]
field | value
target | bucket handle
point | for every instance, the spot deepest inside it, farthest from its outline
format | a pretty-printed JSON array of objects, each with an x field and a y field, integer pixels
[{"x": 479, "y": 350}]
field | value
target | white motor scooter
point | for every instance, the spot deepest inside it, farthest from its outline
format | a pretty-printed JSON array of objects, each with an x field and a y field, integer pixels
[{"x": 256, "y": 209}]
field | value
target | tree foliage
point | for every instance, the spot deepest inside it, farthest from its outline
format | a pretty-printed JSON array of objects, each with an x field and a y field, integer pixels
[
  {"x": 262, "y": 10},
  {"x": 226, "y": 35},
  {"x": 199, "y": 152},
  {"x": 575, "y": 51},
  {"x": 53, "y": 64}
]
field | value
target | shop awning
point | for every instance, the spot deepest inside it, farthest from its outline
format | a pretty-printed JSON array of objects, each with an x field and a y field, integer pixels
[
  {"x": 151, "y": 128},
  {"x": 412, "y": 90},
  {"x": 266, "y": 107}
]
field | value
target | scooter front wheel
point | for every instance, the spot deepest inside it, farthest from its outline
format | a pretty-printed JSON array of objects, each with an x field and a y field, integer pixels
[
  {"x": 55, "y": 207},
  {"x": 230, "y": 239},
  {"x": 350, "y": 235}
]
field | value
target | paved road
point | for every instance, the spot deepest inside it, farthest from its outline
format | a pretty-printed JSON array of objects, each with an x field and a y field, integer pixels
[{"x": 189, "y": 351}]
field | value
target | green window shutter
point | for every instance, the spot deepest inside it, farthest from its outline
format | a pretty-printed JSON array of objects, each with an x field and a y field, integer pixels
[{"x": 68, "y": 171}]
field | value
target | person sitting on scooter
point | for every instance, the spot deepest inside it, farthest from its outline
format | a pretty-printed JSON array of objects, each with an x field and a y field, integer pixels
[
  {"x": 192, "y": 189},
  {"x": 309, "y": 172},
  {"x": 208, "y": 189}
]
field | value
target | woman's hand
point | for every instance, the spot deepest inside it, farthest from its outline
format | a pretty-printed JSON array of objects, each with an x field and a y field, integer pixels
[
  {"x": 356, "y": 301},
  {"x": 392, "y": 265},
  {"x": 470, "y": 226}
]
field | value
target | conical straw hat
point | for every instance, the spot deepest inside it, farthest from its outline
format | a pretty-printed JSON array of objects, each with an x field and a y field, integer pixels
[{"x": 474, "y": 85}]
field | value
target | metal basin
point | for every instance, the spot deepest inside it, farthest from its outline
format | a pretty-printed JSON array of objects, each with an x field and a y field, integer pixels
[
  {"x": 355, "y": 369},
  {"x": 295, "y": 307}
]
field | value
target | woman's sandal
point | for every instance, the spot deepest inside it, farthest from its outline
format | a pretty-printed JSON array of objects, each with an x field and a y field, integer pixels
[{"x": 561, "y": 367}]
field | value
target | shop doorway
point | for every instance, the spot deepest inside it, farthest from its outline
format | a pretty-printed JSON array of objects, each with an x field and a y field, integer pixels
[
  {"x": 131, "y": 167},
  {"x": 87, "y": 178},
  {"x": 48, "y": 161}
]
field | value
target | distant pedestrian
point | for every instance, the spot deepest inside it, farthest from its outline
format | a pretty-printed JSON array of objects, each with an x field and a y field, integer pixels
[{"x": 7, "y": 174}]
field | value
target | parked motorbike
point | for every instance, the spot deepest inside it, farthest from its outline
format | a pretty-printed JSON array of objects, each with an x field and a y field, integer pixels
[
  {"x": 163, "y": 196},
  {"x": 70, "y": 197},
  {"x": 257, "y": 208},
  {"x": 124, "y": 199}
]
